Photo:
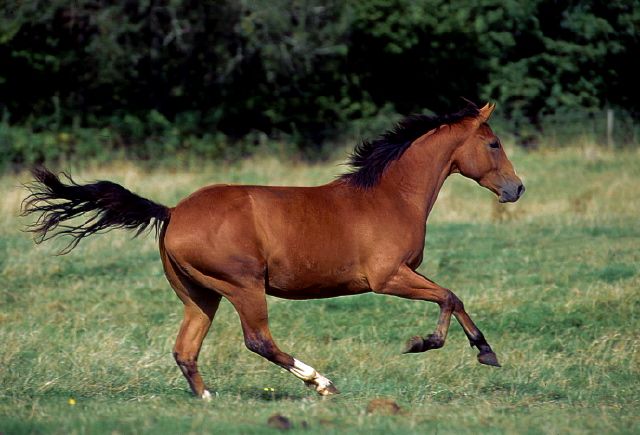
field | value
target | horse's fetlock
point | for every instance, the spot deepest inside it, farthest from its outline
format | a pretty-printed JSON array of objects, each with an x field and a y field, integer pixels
[
  {"x": 433, "y": 341},
  {"x": 187, "y": 366},
  {"x": 479, "y": 342}
]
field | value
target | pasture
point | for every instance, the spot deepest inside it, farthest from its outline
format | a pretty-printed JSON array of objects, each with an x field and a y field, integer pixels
[{"x": 552, "y": 281}]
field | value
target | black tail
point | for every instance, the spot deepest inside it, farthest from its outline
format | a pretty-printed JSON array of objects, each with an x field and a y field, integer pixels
[{"x": 112, "y": 205}]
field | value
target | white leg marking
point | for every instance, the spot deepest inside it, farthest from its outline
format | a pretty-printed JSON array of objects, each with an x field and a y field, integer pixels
[
  {"x": 303, "y": 371},
  {"x": 206, "y": 396},
  {"x": 312, "y": 378}
]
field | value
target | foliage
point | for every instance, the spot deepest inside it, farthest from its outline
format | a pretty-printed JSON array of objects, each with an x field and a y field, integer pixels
[
  {"x": 551, "y": 280},
  {"x": 560, "y": 56},
  {"x": 304, "y": 69}
]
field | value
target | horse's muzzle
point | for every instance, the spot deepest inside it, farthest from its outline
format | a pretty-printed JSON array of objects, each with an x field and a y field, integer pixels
[{"x": 511, "y": 192}]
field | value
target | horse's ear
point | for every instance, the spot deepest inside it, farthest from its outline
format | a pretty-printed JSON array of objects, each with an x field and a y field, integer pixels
[{"x": 486, "y": 112}]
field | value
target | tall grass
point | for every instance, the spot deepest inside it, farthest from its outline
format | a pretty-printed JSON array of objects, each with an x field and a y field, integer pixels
[{"x": 552, "y": 281}]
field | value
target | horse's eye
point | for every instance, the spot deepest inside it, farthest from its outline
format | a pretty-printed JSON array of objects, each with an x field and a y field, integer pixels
[{"x": 495, "y": 145}]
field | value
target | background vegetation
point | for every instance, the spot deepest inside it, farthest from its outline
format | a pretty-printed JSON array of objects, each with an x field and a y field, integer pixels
[
  {"x": 157, "y": 78},
  {"x": 552, "y": 281}
]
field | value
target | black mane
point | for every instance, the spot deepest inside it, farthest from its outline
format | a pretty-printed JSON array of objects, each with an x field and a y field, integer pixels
[{"x": 370, "y": 158}]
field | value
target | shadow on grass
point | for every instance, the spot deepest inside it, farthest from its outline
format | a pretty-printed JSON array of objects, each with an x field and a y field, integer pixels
[{"x": 271, "y": 395}]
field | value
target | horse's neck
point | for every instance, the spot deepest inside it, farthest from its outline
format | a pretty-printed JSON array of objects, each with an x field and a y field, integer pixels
[{"x": 417, "y": 176}]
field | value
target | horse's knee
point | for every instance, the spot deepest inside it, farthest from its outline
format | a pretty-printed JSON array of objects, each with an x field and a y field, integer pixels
[{"x": 454, "y": 302}]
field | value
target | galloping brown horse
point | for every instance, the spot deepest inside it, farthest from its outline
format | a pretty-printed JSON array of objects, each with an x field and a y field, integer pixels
[{"x": 363, "y": 232}]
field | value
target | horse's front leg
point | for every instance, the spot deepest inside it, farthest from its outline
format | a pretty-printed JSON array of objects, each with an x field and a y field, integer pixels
[{"x": 408, "y": 284}]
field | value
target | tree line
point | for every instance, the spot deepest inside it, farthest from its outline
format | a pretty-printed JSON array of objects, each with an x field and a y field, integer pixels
[{"x": 305, "y": 69}]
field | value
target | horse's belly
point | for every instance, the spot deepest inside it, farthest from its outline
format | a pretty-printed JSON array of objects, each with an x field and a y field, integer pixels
[
  {"x": 315, "y": 292},
  {"x": 314, "y": 283}
]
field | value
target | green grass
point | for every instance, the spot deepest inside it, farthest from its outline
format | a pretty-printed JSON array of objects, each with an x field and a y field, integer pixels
[{"x": 552, "y": 281}]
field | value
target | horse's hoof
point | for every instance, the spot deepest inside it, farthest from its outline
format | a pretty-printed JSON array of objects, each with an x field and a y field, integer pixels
[
  {"x": 328, "y": 390},
  {"x": 324, "y": 387},
  {"x": 432, "y": 341},
  {"x": 414, "y": 345},
  {"x": 488, "y": 358}
]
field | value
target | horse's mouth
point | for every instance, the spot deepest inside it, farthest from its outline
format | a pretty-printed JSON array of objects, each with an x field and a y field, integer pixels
[{"x": 502, "y": 199}]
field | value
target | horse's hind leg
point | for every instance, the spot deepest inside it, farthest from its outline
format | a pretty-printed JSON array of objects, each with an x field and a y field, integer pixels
[
  {"x": 194, "y": 327},
  {"x": 411, "y": 285},
  {"x": 200, "y": 306},
  {"x": 251, "y": 306}
]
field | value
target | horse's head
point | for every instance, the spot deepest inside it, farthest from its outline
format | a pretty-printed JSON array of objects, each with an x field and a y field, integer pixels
[{"x": 482, "y": 158}]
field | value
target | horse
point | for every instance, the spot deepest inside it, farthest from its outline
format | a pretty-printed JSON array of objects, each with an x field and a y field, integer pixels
[{"x": 362, "y": 232}]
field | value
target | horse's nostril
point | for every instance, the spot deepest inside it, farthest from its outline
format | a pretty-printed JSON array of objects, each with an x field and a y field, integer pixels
[{"x": 520, "y": 189}]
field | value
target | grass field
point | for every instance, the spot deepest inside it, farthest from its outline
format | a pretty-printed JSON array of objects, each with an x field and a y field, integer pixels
[{"x": 553, "y": 281}]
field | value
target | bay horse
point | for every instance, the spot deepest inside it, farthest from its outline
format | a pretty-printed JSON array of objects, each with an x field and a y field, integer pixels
[{"x": 362, "y": 232}]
